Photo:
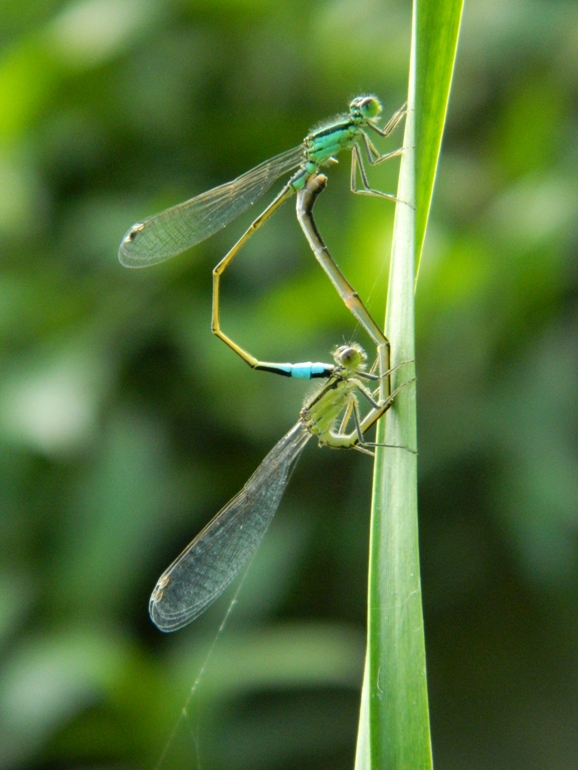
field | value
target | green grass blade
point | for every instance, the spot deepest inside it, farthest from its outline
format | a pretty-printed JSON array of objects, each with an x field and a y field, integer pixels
[
  {"x": 436, "y": 41},
  {"x": 394, "y": 731}
]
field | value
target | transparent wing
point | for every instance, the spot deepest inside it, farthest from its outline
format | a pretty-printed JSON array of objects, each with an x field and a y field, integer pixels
[
  {"x": 221, "y": 550},
  {"x": 172, "y": 231}
]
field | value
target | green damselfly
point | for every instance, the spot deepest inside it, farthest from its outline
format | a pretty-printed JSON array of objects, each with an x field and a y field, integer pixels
[
  {"x": 225, "y": 546},
  {"x": 171, "y": 232}
]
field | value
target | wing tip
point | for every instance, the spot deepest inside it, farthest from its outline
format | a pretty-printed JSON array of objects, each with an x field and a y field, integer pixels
[
  {"x": 126, "y": 253},
  {"x": 164, "y": 623}
]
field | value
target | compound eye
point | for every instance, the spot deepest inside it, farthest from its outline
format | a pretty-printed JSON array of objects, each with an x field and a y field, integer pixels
[
  {"x": 370, "y": 107},
  {"x": 348, "y": 356}
]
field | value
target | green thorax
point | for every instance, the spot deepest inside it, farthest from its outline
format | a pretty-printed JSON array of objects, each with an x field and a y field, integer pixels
[
  {"x": 320, "y": 412},
  {"x": 326, "y": 140}
]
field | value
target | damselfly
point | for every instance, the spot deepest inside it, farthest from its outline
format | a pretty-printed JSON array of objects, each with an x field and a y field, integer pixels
[
  {"x": 171, "y": 232},
  {"x": 225, "y": 546}
]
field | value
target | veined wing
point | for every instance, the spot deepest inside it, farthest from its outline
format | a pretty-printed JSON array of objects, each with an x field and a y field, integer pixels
[
  {"x": 176, "y": 229},
  {"x": 221, "y": 550}
]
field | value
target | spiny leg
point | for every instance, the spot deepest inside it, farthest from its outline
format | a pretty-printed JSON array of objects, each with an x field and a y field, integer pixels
[
  {"x": 367, "y": 394},
  {"x": 357, "y": 421},
  {"x": 375, "y": 414},
  {"x": 374, "y": 157},
  {"x": 391, "y": 124},
  {"x": 361, "y": 444},
  {"x": 355, "y": 440},
  {"x": 357, "y": 164},
  {"x": 375, "y": 377},
  {"x": 378, "y": 409}
]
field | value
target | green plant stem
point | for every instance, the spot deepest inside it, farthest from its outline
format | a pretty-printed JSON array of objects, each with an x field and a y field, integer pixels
[
  {"x": 398, "y": 706},
  {"x": 394, "y": 732}
]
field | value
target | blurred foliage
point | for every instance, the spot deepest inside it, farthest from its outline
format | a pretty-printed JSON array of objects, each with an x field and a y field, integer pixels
[{"x": 124, "y": 424}]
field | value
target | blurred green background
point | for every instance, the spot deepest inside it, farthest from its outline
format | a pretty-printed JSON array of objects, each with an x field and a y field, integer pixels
[{"x": 125, "y": 425}]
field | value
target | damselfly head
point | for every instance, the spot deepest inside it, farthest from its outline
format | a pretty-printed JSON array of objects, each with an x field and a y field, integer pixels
[
  {"x": 350, "y": 356},
  {"x": 367, "y": 107}
]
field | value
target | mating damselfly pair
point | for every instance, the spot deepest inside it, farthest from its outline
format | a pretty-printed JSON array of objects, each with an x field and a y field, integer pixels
[{"x": 207, "y": 566}]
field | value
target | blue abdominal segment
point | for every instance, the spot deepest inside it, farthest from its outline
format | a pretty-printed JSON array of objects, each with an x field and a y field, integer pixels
[{"x": 304, "y": 371}]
